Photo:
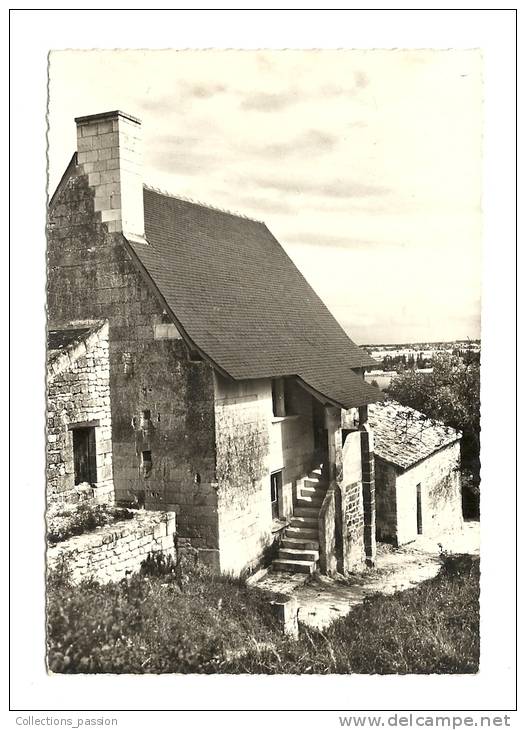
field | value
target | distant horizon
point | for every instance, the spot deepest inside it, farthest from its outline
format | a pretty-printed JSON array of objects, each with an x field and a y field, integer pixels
[{"x": 420, "y": 342}]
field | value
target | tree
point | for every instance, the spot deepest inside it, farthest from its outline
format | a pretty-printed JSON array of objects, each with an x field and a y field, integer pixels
[{"x": 451, "y": 394}]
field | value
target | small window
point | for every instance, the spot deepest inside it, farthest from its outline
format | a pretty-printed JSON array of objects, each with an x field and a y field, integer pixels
[
  {"x": 84, "y": 455},
  {"x": 146, "y": 463},
  {"x": 419, "y": 509},
  {"x": 276, "y": 483}
]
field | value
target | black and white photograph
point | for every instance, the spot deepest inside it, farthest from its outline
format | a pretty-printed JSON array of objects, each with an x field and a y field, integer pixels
[
  {"x": 263, "y": 379},
  {"x": 264, "y": 340}
]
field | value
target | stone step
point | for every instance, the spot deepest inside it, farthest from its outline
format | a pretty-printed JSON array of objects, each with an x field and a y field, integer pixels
[
  {"x": 298, "y": 521},
  {"x": 294, "y": 566},
  {"x": 299, "y": 543},
  {"x": 313, "y": 489},
  {"x": 310, "y": 500},
  {"x": 295, "y": 554},
  {"x": 302, "y": 533},
  {"x": 312, "y": 511},
  {"x": 312, "y": 481}
]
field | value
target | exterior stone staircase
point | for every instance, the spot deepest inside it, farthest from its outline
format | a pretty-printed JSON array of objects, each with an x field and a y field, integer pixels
[{"x": 299, "y": 550}]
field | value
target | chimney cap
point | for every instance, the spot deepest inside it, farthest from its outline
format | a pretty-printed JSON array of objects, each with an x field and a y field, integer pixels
[{"x": 106, "y": 115}]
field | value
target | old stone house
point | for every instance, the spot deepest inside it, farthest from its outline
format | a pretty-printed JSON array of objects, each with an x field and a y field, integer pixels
[
  {"x": 226, "y": 374},
  {"x": 79, "y": 449},
  {"x": 417, "y": 470}
]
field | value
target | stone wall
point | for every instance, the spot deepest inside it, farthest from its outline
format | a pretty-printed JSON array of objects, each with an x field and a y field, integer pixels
[
  {"x": 92, "y": 275},
  {"x": 78, "y": 391},
  {"x": 114, "y": 551},
  {"x": 243, "y": 445},
  {"x": 251, "y": 444},
  {"x": 327, "y": 532},
  {"x": 439, "y": 480},
  {"x": 368, "y": 493},
  {"x": 386, "y": 514},
  {"x": 351, "y": 553},
  {"x": 439, "y": 477}
]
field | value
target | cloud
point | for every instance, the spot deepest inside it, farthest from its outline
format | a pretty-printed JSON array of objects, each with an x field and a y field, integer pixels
[
  {"x": 185, "y": 92},
  {"x": 361, "y": 80},
  {"x": 337, "y": 188},
  {"x": 312, "y": 142},
  {"x": 308, "y": 238},
  {"x": 264, "y": 204},
  {"x": 202, "y": 90},
  {"x": 265, "y": 102},
  {"x": 184, "y": 161}
]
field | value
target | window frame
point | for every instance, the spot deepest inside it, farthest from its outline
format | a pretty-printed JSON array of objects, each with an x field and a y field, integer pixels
[{"x": 84, "y": 439}]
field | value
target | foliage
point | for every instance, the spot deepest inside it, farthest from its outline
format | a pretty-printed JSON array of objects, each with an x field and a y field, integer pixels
[
  {"x": 66, "y": 521},
  {"x": 433, "y": 628},
  {"x": 147, "y": 625},
  {"x": 158, "y": 564},
  {"x": 450, "y": 393}
]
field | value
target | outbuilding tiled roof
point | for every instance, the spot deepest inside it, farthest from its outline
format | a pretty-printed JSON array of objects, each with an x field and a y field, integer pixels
[
  {"x": 239, "y": 297},
  {"x": 403, "y": 436}
]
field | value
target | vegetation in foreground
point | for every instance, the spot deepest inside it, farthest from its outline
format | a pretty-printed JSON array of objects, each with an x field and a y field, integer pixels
[
  {"x": 68, "y": 520},
  {"x": 156, "y": 623}
]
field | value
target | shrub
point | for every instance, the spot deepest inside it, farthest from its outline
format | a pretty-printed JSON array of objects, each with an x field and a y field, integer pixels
[
  {"x": 158, "y": 564},
  {"x": 65, "y": 522},
  {"x": 146, "y": 624}
]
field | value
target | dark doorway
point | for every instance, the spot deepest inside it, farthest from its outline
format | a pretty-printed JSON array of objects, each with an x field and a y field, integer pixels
[
  {"x": 321, "y": 435},
  {"x": 276, "y": 484},
  {"x": 419, "y": 509},
  {"x": 84, "y": 455}
]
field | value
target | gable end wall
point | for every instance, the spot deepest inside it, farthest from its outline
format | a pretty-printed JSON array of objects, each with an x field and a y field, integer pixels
[{"x": 91, "y": 276}]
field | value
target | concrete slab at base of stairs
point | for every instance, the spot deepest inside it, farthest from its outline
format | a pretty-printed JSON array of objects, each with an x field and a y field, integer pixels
[
  {"x": 325, "y": 599},
  {"x": 281, "y": 582},
  {"x": 321, "y": 599}
]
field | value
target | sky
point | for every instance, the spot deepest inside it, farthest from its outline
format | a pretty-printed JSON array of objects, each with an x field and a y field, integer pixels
[{"x": 365, "y": 165}]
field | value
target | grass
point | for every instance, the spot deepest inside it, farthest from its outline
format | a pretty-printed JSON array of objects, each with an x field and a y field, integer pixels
[
  {"x": 217, "y": 625},
  {"x": 71, "y": 520}
]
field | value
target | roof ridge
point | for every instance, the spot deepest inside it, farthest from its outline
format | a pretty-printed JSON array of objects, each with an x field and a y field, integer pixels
[{"x": 195, "y": 201}]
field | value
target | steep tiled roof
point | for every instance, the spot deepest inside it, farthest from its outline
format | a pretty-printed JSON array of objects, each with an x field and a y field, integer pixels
[
  {"x": 241, "y": 300},
  {"x": 403, "y": 436}
]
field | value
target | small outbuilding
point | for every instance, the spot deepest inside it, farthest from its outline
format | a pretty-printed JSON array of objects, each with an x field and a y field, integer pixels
[{"x": 417, "y": 470}]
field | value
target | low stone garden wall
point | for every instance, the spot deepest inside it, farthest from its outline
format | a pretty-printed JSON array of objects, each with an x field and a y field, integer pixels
[{"x": 114, "y": 551}]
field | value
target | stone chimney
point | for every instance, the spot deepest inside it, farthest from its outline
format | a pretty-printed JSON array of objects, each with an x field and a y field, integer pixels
[{"x": 109, "y": 151}]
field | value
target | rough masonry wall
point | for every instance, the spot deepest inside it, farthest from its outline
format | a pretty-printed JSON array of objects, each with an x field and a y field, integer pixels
[
  {"x": 350, "y": 547},
  {"x": 78, "y": 390},
  {"x": 251, "y": 443},
  {"x": 91, "y": 276},
  {"x": 385, "y": 478},
  {"x": 114, "y": 551},
  {"x": 439, "y": 477}
]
